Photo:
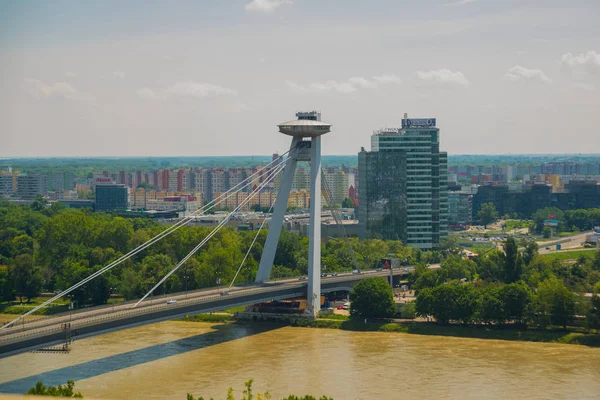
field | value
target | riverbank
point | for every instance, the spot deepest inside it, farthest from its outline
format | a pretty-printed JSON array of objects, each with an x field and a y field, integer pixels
[{"x": 580, "y": 337}]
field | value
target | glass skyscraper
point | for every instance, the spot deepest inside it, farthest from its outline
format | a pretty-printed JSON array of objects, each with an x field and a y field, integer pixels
[
  {"x": 419, "y": 194},
  {"x": 111, "y": 197}
]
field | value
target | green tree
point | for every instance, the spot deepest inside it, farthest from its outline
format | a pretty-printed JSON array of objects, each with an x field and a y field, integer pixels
[
  {"x": 372, "y": 298},
  {"x": 55, "y": 391},
  {"x": 6, "y": 285},
  {"x": 131, "y": 284},
  {"x": 541, "y": 215},
  {"x": 39, "y": 203},
  {"x": 596, "y": 262},
  {"x": 442, "y": 303},
  {"x": 248, "y": 394},
  {"x": 487, "y": 214},
  {"x": 516, "y": 300},
  {"x": 26, "y": 279},
  {"x": 593, "y": 315},
  {"x": 348, "y": 203},
  {"x": 466, "y": 299},
  {"x": 491, "y": 308},
  {"x": 513, "y": 264},
  {"x": 424, "y": 303},
  {"x": 546, "y": 232},
  {"x": 555, "y": 303},
  {"x": 531, "y": 250}
]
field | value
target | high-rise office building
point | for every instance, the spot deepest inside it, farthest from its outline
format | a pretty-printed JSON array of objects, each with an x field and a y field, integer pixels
[
  {"x": 382, "y": 195},
  {"x": 420, "y": 211},
  {"x": 111, "y": 197}
]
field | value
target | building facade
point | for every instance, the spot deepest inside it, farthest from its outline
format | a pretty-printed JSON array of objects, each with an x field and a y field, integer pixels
[
  {"x": 32, "y": 185},
  {"x": 111, "y": 197},
  {"x": 423, "y": 178}
]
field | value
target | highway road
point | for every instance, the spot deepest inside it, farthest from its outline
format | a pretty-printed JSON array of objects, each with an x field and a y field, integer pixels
[{"x": 566, "y": 243}]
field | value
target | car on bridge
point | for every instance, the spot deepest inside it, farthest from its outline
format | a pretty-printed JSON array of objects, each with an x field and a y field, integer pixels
[{"x": 171, "y": 301}]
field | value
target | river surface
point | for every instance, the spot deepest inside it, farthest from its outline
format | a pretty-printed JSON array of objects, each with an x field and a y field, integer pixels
[{"x": 170, "y": 359}]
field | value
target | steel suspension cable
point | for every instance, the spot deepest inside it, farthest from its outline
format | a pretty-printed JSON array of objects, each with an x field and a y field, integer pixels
[
  {"x": 272, "y": 173},
  {"x": 337, "y": 221},
  {"x": 251, "y": 245},
  {"x": 145, "y": 245}
]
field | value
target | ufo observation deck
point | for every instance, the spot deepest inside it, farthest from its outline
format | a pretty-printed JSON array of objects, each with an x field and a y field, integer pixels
[{"x": 304, "y": 128}]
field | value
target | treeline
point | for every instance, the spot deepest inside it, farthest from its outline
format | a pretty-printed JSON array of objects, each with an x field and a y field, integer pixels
[
  {"x": 570, "y": 220},
  {"x": 48, "y": 249},
  {"x": 510, "y": 287}
]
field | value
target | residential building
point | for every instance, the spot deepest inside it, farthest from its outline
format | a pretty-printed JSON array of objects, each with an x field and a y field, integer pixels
[
  {"x": 31, "y": 185},
  {"x": 6, "y": 186}
]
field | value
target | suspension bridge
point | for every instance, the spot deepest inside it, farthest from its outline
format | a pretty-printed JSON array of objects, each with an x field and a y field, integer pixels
[{"x": 22, "y": 335}]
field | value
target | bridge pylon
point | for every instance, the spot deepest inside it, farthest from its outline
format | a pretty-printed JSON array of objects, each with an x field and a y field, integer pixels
[{"x": 306, "y": 132}]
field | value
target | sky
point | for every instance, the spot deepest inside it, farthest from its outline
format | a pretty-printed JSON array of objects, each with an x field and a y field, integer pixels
[{"x": 215, "y": 77}]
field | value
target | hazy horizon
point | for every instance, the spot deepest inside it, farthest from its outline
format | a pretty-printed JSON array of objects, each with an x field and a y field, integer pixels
[{"x": 213, "y": 78}]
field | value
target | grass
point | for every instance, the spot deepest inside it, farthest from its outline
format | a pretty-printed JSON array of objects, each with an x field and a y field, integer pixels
[
  {"x": 208, "y": 318},
  {"x": 17, "y": 309},
  {"x": 339, "y": 317},
  {"x": 569, "y": 255},
  {"x": 573, "y": 336},
  {"x": 233, "y": 310}
]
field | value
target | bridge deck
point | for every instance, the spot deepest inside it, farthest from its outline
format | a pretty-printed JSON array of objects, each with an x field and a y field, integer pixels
[{"x": 98, "y": 320}]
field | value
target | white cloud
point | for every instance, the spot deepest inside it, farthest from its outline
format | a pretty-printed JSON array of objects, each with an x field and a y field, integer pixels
[
  {"x": 584, "y": 62},
  {"x": 444, "y": 76},
  {"x": 39, "y": 89},
  {"x": 348, "y": 86},
  {"x": 461, "y": 2},
  {"x": 199, "y": 90},
  {"x": 119, "y": 74},
  {"x": 147, "y": 93},
  {"x": 266, "y": 6},
  {"x": 387, "y": 79},
  {"x": 517, "y": 73}
]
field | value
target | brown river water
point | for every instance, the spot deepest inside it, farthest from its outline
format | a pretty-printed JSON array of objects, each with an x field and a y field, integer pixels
[{"x": 170, "y": 359}]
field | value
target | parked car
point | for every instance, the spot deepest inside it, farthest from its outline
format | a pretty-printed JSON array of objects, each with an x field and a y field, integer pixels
[
  {"x": 379, "y": 269},
  {"x": 323, "y": 275},
  {"x": 346, "y": 306},
  {"x": 224, "y": 293},
  {"x": 356, "y": 271},
  {"x": 340, "y": 307},
  {"x": 302, "y": 278},
  {"x": 334, "y": 274},
  {"x": 171, "y": 301}
]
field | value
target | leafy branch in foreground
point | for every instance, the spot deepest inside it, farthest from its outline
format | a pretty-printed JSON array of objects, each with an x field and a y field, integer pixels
[
  {"x": 249, "y": 395},
  {"x": 55, "y": 391}
]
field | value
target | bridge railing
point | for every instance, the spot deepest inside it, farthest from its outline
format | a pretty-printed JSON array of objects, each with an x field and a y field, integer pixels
[
  {"x": 86, "y": 319},
  {"x": 90, "y": 320}
]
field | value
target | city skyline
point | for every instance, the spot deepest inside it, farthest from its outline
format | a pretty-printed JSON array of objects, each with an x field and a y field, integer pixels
[{"x": 138, "y": 79}]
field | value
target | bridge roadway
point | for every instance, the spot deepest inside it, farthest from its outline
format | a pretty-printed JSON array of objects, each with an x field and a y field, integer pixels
[{"x": 103, "y": 319}]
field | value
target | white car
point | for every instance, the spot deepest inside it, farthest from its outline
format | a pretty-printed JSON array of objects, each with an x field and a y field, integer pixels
[{"x": 171, "y": 301}]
